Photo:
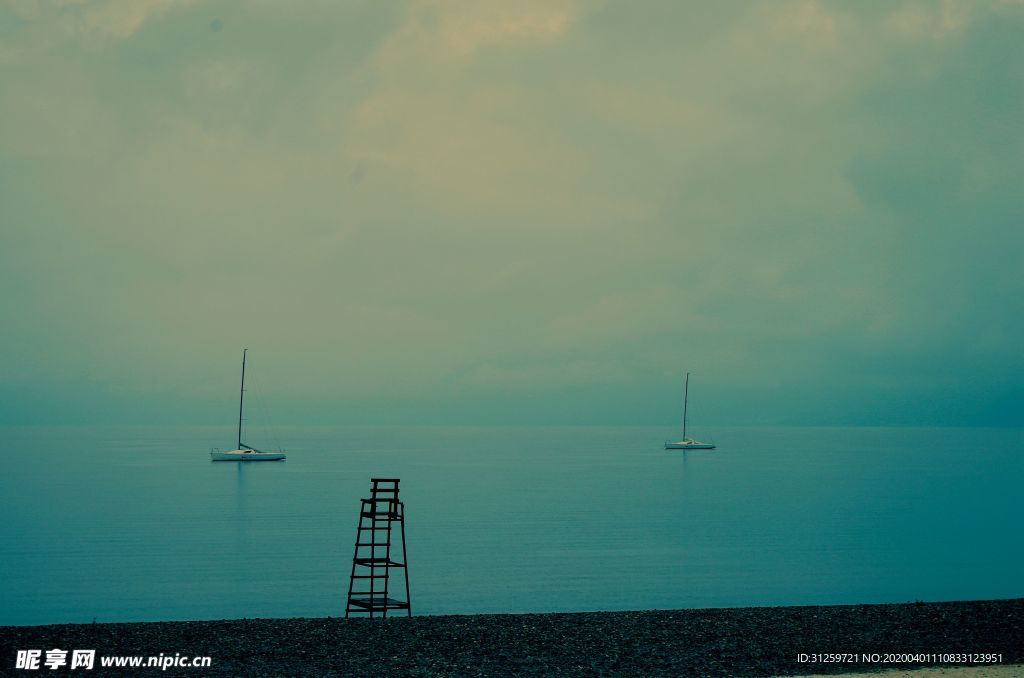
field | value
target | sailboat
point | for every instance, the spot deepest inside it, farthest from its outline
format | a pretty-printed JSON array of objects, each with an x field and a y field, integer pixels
[
  {"x": 244, "y": 452},
  {"x": 687, "y": 443}
]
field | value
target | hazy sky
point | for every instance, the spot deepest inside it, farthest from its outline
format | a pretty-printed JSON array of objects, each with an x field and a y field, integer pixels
[{"x": 538, "y": 211}]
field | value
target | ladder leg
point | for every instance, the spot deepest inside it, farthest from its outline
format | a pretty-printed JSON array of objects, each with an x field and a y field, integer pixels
[
  {"x": 373, "y": 562},
  {"x": 352, "y": 577},
  {"x": 405, "y": 559},
  {"x": 387, "y": 562}
]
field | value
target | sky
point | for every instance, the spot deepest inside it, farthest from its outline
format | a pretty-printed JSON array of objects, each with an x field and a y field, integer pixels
[{"x": 539, "y": 212}]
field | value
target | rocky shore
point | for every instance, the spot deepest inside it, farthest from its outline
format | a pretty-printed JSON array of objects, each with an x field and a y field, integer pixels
[{"x": 759, "y": 641}]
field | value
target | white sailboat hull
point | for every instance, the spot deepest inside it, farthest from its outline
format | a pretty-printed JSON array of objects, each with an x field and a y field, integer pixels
[
  {"x": 246, "y": 455},
  {"x": 688, "y": 445}
]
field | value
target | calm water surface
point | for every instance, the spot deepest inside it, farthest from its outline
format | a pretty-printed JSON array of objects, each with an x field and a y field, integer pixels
[{"x": 126, "y": 524}]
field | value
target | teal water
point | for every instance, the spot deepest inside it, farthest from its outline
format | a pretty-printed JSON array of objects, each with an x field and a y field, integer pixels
[{"x": 129, "y": 524}]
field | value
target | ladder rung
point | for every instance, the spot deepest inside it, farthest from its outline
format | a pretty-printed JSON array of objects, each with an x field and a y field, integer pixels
[
  {"x": 377, "y": 562},
  {"x": 379, "y": 603},
  {"x": 375, "y": 527},
  {"x": 370, "y": 576}
]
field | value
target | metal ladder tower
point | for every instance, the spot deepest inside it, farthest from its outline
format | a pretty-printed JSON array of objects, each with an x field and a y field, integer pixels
[{"x": 374, "y": 560}]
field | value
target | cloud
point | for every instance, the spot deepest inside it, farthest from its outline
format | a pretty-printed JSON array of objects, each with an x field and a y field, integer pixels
[
  {"x": 931, "y": 20},
  {"x": 121, "y": 19},
  {"x": 540, "y": 377},
  {"x": 439, "y": 31},
  {"x": 101, "y": 19},
  {"x": 411, "y": 201},
  {"x": 463, "y": 30}
]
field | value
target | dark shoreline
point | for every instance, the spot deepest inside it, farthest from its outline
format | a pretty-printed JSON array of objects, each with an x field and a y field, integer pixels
[{"x": 757, "y": 641}]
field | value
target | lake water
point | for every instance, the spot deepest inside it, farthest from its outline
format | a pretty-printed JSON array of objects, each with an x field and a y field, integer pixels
[{"x": 128, "y": 524}]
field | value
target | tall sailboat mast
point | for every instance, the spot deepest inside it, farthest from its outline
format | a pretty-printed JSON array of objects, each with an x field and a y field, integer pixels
[
  {"x": 241, "y": 399},
  {"x": 686, "y": 397},
  {"x": 687, "y": 443}
]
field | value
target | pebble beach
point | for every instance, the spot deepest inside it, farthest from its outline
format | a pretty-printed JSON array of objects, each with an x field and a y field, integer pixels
[{"x": 759, "y": 641}]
